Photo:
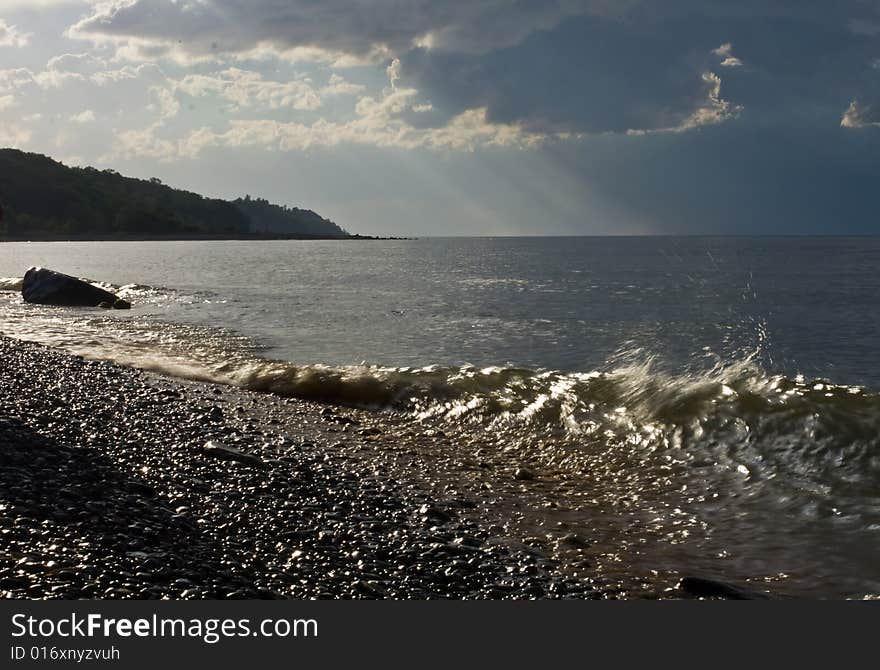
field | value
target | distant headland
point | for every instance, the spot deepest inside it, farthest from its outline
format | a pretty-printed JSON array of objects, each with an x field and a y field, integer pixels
[{"x": 43, "y": 199}]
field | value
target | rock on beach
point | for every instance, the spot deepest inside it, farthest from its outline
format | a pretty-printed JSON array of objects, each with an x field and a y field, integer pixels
[{"x": 48, "y": 287}]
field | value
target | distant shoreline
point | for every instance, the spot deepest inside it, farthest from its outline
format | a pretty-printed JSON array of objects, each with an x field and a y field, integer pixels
[{"x": 190, "y": 238}]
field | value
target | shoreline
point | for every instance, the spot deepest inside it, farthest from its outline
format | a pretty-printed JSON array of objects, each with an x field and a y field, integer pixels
[
  {"x": 237, "y": 237},
  {"x": 119, "y": 483}
]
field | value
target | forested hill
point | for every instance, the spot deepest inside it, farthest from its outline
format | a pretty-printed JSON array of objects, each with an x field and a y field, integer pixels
[
  {"x": 268, "y": 218},
  {"x": 44, "y": 199}
]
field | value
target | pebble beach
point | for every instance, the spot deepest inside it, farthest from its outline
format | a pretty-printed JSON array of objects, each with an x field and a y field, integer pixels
[{"x": 119, "y": 484}]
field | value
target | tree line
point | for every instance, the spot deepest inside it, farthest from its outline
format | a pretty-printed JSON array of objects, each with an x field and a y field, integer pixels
[{"x": 42, "y": 198}]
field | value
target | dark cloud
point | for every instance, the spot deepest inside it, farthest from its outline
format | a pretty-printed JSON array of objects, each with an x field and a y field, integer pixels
[
  {"x": 738, "y": 179},
  {"x": 594, "y": 74},
  {"x": 588, "y": 75},
  {"x": 349, "y": 26},
  {"x": 561, "y": 65}
]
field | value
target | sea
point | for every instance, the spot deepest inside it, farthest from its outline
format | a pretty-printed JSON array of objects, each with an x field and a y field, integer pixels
[{"x": 719, "y": 394}]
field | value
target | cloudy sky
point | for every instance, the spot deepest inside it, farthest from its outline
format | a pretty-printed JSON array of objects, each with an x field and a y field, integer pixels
[{"x": 489, "y": 117}]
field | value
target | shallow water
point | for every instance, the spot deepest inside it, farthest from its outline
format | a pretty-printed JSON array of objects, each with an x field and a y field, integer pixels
[{"x": 716, "y": 394}]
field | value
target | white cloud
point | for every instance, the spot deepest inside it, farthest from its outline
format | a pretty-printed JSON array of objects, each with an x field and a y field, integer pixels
[
  {"x": 56, "y": 77},
  {"x": 465, "y": 132},
  {"x": 85, "y": 116},
  {"x": 714, "y": 111},
  {"x": 79, "y": 69},
  {"x": 725, "y": 52},
  {"x": 166, "y": 104},
  {"x": 393, "y": 72},
  {"x": 143, "y": 143},
  {"x": 56, "y": 109},
  {"x": 13, "y": 135},
  {"x": 11, "y": 37},
  {"x": 15, "y": 77},
  {"x": 248, "y": 88},
  {"x": 337, "y": 85},
  {"x": 80, "y": 63},
  {"x": 139, "y": 102},
  {"x": 861, "y": 115},
  {"x": 147, "y": 73},
  {"x": 377, "y": 122}
]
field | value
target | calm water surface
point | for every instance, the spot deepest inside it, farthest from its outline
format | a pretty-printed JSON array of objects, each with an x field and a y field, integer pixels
[{"x": 807, "y": 305}]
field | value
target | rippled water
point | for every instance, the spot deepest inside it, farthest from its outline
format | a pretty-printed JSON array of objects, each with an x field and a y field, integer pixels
[{"x": 718, "y": 393}]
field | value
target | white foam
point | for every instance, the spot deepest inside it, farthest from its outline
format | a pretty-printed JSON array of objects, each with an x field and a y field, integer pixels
[{"x": 10, "y": 283}]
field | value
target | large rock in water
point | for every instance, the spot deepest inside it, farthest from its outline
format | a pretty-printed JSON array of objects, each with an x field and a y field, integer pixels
[
  {"x": 48, "y": 287},
  {"x": 712, "y": 588}
]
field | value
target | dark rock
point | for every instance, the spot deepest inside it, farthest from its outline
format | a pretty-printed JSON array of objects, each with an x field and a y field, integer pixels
[
  {"x": 14, "y": 583},
  {"x": 436, "y": 514},
  {"x": 522, "y": 474},
  {"x": 371, "y": 590},
  {"x": 220, "y": 450},
  {"x": 141, "y": 488},
  {"x": 48, "y": 287},
  {"x": 573, "y": 540},
  {"x": 711, "y": 588}
]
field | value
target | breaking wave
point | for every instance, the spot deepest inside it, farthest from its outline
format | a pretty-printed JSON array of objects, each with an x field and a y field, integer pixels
[
  {"x": 10, "y": 283},
  {"x": 835, "y": 427},
  {"x": 733, "y": 415}
]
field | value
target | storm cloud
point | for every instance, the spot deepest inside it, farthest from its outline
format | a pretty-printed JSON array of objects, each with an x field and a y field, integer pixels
[
  {"x": 565, "y": 66},
  {"x": 346, "y": 26}
]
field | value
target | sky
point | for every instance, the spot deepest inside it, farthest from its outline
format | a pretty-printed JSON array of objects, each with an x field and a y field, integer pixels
[{"x": 485, "y": 117}]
